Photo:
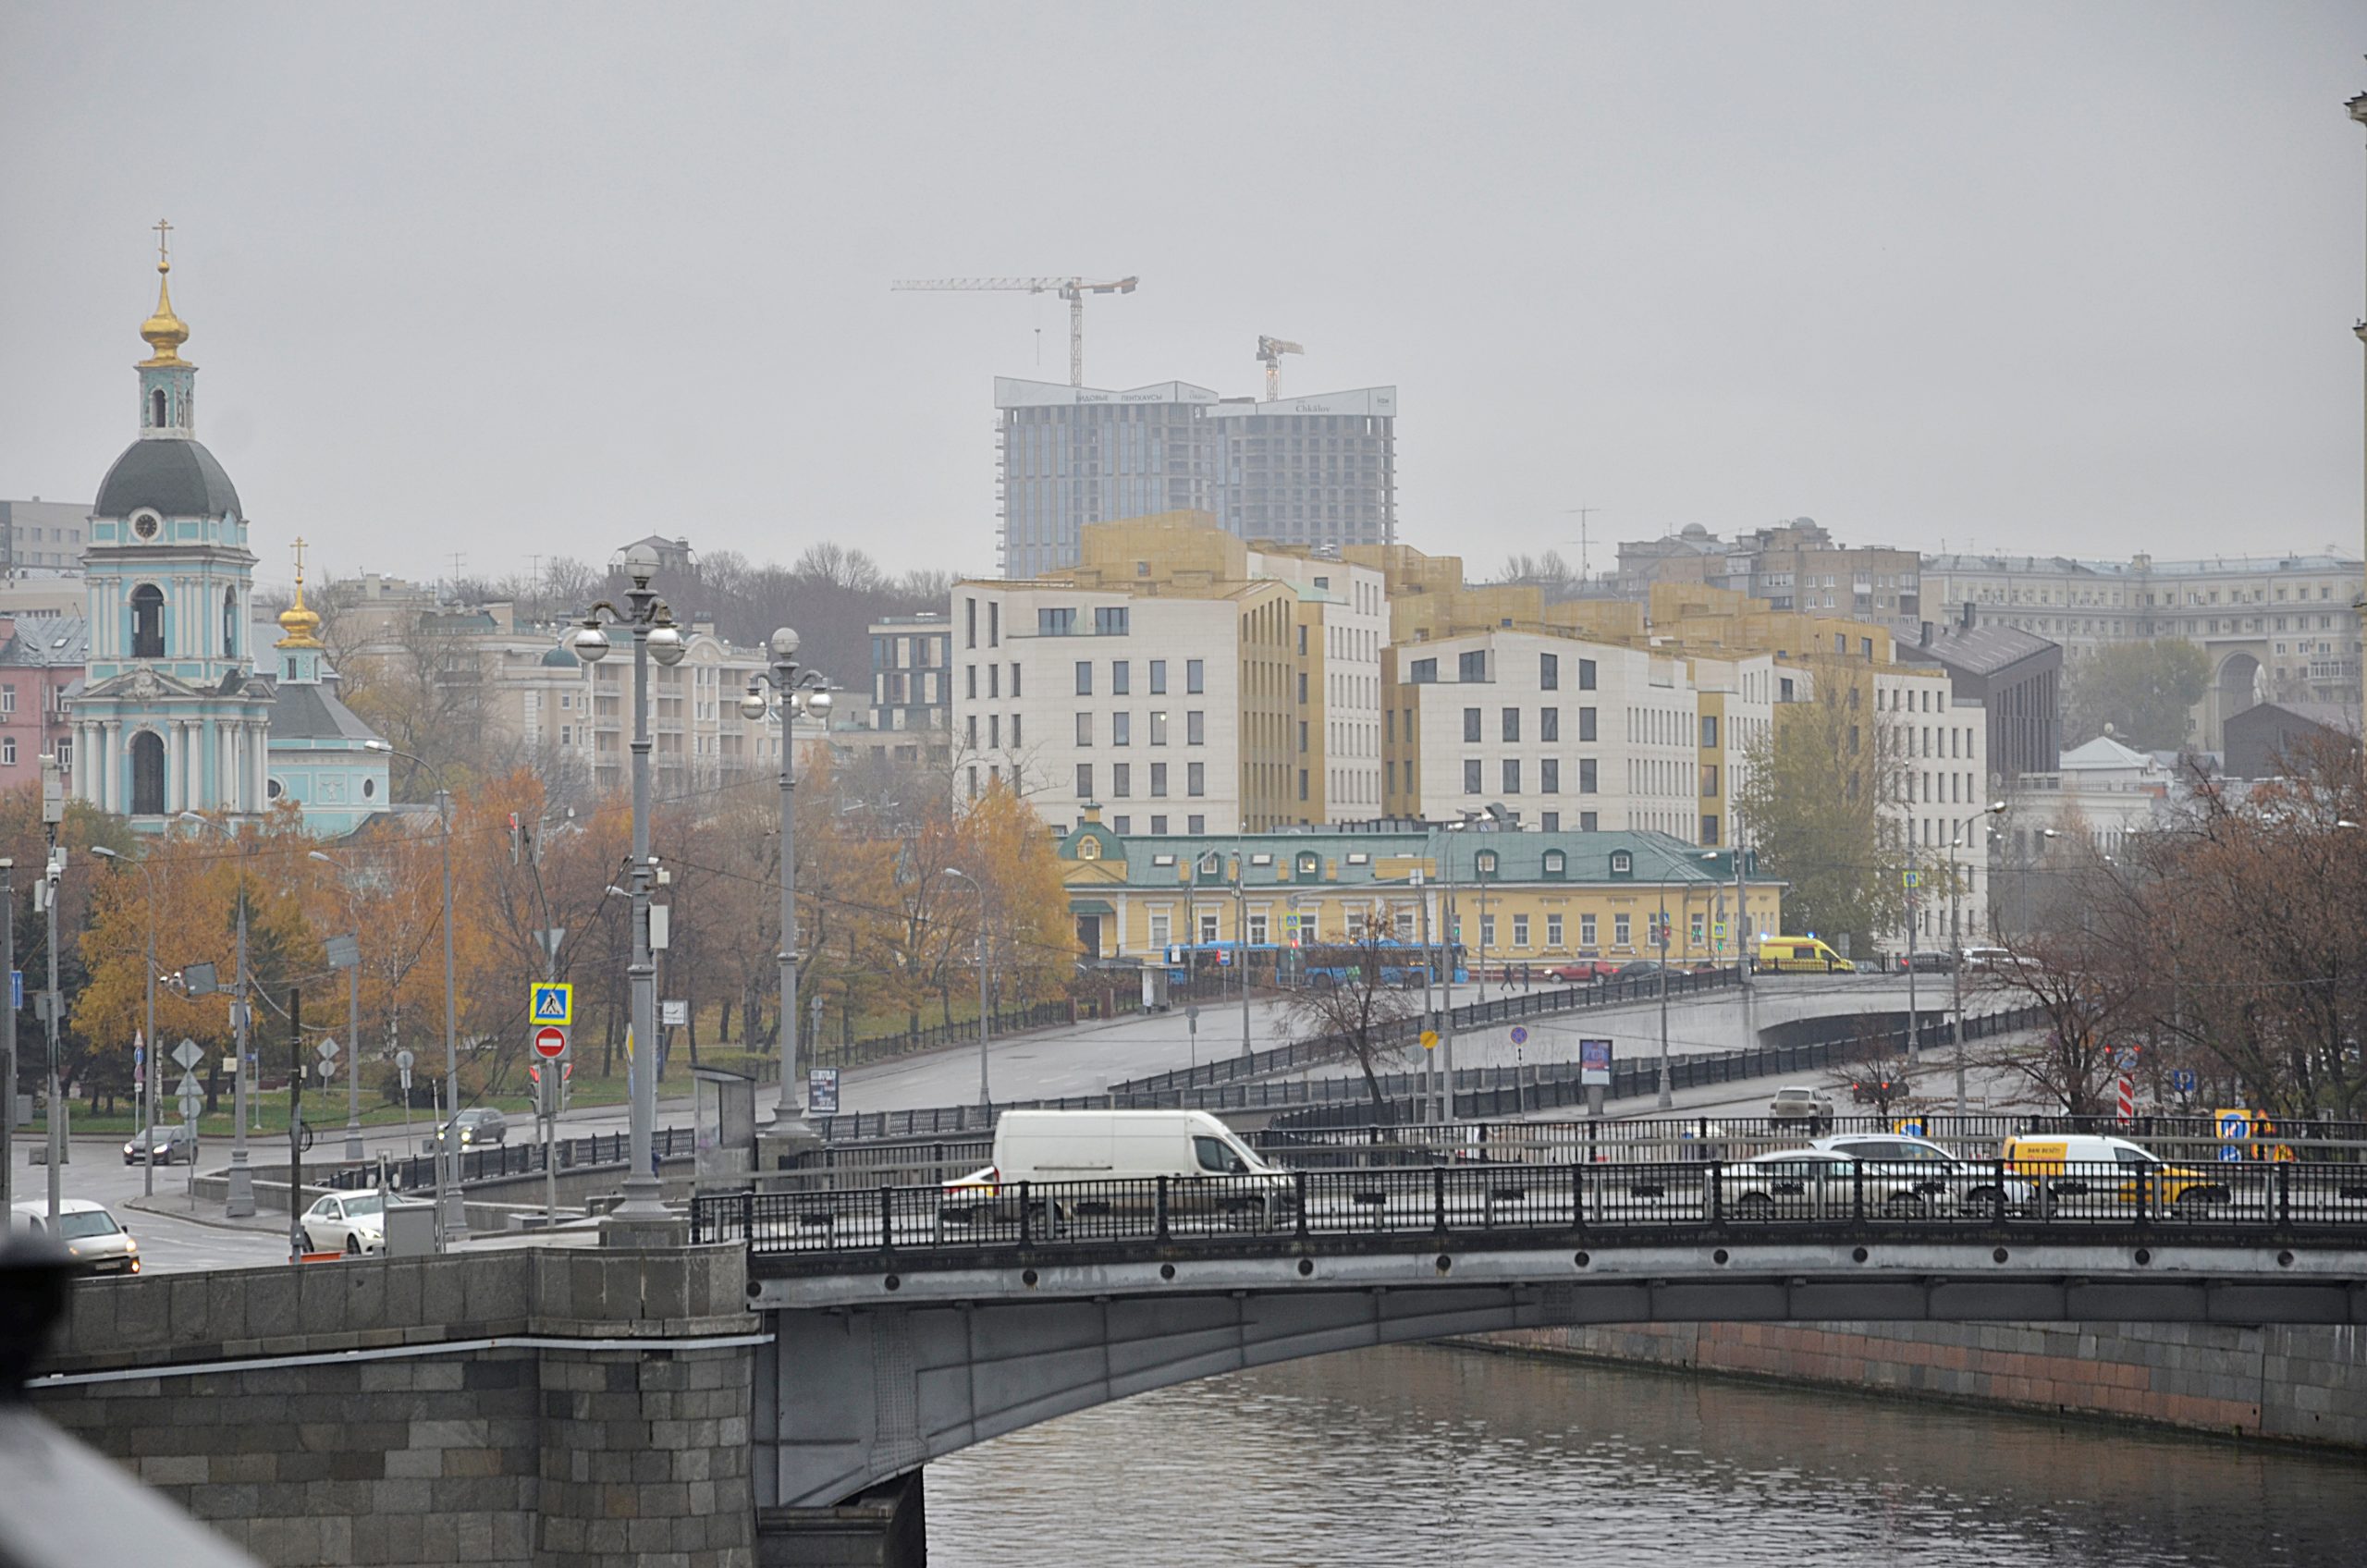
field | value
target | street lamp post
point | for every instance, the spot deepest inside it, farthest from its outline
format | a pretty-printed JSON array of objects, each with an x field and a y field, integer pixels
[
  {"x": 148, "y": 1068},
  {"x": 353, "y": 1153},
  {"x": 455, "y": 1214},
  {"x": 238, "y": 1200},
  {"x": 1666, "y": 1098},
  {"x": 798, "y": 693},
  {"x": 1955, "y": 949},
  {"x": 654, "y": 635},
  {"x": 986, "y": 1028}
]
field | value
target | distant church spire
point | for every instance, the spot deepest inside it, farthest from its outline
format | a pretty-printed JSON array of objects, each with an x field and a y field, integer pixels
[
  {"x": 164, "y": 331},
  {"x": 301, "y": 627}
]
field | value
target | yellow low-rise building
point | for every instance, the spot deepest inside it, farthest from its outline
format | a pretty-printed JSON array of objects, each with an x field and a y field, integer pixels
[{"x": 1544, "y": 900}]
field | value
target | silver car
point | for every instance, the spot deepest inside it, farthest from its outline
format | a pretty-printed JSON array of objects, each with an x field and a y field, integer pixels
[
  {"x": 175, "y": 1144},
  {"x": 87, "y": 1230},
  {"x": 1817, "y": 1184}
]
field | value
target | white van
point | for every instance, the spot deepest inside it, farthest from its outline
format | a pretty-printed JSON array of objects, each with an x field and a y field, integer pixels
[{"x": 1214, "y": 1168}]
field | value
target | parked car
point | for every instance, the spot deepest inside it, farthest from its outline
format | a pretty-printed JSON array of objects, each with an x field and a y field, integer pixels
[
  {"x": 1640, "y": 969},
  {"x": 1134, "y": 1147},
  {"x": 88, "y": 1230},
  {"x": 1938, "y": 1174},
  {"x": 1986, "y": 960},
  {"x": 175, "y": 1144},
  {"x": 1583, "y": 971},
  {"x": 1926, "y": 961},
  {"x": 1798, "y": 1103},
  {"x": 2090, "y": 1171},
  {"x": 352, "y": 1223},
  {"x": 1819, "y": 1183},
  {"x": 478, "y": 1125}
]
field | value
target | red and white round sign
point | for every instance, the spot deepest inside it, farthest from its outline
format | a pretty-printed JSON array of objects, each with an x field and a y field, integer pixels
[{"x": 550, "y": 1043}]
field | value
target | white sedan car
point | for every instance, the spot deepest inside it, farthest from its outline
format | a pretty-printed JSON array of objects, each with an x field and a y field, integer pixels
[{"x": 352, "y": 1223}]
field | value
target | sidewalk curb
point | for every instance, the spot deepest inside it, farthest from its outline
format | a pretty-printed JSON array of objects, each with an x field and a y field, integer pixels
[{"x": 145, "y": 1205}]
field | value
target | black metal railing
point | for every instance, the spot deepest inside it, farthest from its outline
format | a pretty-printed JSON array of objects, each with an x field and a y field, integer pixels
[
  {"x": 417, "y": 1172},
  {"x": 1736, "y": 1199},
  {"x": 1814, "y": 1046},
  {"x": 1510, "y": 1009}
]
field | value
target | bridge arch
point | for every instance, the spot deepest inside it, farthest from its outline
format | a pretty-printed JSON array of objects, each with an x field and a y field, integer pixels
[{"x": 854, "y": 1392}]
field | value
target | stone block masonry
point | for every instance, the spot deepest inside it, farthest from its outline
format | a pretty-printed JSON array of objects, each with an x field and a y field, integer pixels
[
  {"x": 528, "y": 1409},
  {"x": 2291, "y": 1383}
]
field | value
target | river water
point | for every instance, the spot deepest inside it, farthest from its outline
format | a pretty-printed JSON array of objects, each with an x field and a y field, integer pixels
[{"x": 1437, "y": 1456}]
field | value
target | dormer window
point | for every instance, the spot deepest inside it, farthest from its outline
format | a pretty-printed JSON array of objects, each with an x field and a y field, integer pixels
[
  {"x": 1622, "y": 863},
  {"x": 1485, "y": 862},
  {"x": 1556, "y": 863},
  {"x": 1307, "y": 864}
]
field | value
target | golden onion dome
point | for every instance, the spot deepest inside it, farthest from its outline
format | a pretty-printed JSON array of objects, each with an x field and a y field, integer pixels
[
  {"x": 164, "y": 331},
  {"x": 299, "y": 626}
]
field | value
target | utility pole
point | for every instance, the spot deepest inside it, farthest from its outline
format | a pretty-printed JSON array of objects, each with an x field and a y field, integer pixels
[
  {"x": 56, "y": 1122},
  {"x": 1913, "y": 1036},
  {"x": 1429, "y": 1004},
  {"x": 1241, "y": 938},
  {"x": 296, "y": 1064},
  {"x": 9, "y": 1034}
]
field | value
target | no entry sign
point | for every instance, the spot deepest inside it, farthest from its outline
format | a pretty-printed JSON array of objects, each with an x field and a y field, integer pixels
[{"x": 550, "y": 1043}]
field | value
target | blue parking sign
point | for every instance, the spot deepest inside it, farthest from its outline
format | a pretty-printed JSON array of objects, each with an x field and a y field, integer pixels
[{"x": 2182, "y": 1080}]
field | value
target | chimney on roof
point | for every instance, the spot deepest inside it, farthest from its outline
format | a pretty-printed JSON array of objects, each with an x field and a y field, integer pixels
[
  {"x": 1965, "y": 619},
  {"x": 1923, "y": 634}
]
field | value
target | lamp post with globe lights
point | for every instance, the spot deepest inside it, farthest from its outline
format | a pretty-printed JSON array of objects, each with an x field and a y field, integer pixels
[
  {"x": 651, "y": 626},
  {"x": 798, "y": 692}
]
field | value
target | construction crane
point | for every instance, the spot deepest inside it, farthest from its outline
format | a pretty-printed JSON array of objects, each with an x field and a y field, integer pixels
[
  {"x": 1270, "y": 354},
  {"x": 1073, "y": 289}
]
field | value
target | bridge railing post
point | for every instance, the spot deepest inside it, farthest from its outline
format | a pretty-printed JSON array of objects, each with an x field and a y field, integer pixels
[
  {"x": 886, "y": 1218},
  {"x": 1298, "y": 1183},
  {"x": 1162, "y": 1208},
  {"x": 747, "y": 1219},
  {"x": 1437, "y": 1197},
  {"x": 1717, "y": 1191},
  {"x": 1858, "y": 1192},
  {"x": 1026, "y": 1216},
  {"x": 2284, "y": 1195}
]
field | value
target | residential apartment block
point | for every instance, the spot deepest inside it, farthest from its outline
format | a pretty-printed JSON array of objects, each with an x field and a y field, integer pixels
[
  {"x": 42, "y": 660},
  {"x": 1312, "y": 473},
  {"x": 2275, "y": 627},
  {"x": 44, "y": 537},
  {"x": 1186, "y": 681},
  {"x": 1576, "y": 735},
  {"x": 912, "y": 679},
  {"x": 1794, "y": 565}
]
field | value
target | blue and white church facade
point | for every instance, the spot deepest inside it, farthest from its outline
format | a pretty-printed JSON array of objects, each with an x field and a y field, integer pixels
[{"x": 174, "y": 714}]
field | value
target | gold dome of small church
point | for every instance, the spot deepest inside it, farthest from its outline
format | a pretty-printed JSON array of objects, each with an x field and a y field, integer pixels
[
  {"x": 299, "y": 626},
  {"x": 164, "y": 331}
]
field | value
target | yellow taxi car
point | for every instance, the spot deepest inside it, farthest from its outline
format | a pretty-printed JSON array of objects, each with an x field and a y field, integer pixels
[{"x": 2090, "y": 1172}]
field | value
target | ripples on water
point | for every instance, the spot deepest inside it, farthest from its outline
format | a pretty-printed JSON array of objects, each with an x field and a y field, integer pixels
[{"x": 1435, "y": 1456}]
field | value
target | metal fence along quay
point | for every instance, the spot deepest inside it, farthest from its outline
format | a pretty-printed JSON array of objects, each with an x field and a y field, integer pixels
[
  {"x": 1719, "y": 1197},
  {"x": 417, "y": 1174}
]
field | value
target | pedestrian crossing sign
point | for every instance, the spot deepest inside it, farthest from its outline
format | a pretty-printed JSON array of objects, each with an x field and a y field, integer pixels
[{"x": 552, "y": 1004}]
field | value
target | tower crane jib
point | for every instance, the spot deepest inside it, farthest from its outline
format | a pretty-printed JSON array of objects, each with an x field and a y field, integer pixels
[{"x": 1073, "y": 289}]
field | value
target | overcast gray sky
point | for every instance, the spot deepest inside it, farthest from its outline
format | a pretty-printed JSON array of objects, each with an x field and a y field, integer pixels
[{"x": 522, "y": 280}]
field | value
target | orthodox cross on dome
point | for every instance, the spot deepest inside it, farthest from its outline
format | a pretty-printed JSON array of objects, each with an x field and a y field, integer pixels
[
  {"x": 299, "y": 622},
  {"x": 300, "y": 561},
  {"x": 163, "y": 234}
]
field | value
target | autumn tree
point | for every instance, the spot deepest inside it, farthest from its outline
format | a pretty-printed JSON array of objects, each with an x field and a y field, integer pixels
[
  {"x": 2142, "y": 689},
  {"x": 1818, "y": 792}
]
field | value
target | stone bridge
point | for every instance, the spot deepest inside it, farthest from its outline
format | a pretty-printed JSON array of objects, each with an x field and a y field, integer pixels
[{"x": 721, "y": 1406}]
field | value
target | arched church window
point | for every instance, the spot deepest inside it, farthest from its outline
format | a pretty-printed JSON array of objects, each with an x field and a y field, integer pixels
[
  {"x": 230, "y": 623},
  {"x": 156, "y": 409},
  {"x": 147, "y": 621},
  {"x": 147, "y": 773}
]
